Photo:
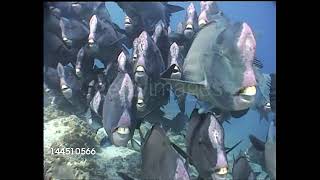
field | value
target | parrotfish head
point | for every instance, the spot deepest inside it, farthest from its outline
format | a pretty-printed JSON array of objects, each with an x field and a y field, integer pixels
[
  {"x": 191, "y": 22},
  {"x": 205, "y": 145}
]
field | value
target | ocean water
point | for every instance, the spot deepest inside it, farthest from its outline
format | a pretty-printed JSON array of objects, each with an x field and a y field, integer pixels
[{"x": 261, "y": 16}]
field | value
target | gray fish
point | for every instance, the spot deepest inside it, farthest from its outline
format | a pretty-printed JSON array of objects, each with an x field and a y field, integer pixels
[
  {"x": 81, "y": 11},
  {"x": 104, "y": 43},
  {"x": 262, "y": 99},
  {"x": 149, "y": 13},
  {"x": 220, "y": 71},
  {"x": 55, "y": 50},
  {"x": 74, "y": 33},
  {"x": 147, "y": 66},
  {"x": 269, "y": 150},
  {"x": 71, "y": 87},
  {"x": 174, "y": 71},
  {"x": 205, "y": 145},
  {"x": 159, "y": 158},
  {"x": 242, "y": 170},
  {"x": 161, "y": 38},
  {"x": 118, "y": 120}
]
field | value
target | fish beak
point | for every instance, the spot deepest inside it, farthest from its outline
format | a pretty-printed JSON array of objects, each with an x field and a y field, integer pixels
[
  {"x": 222, "y": 171},
  {"x": 140, "y": 69},
  {"x": 123, "y": 131},
  {"x": 248, "y": 91},
  {"x": 127, "y": 21},
  {"x": 202, "y": 22},
  {"x": 65, "y": 39},
  {"x": 176, "y": 69},
  {"x": 64, "y": 87},
  {"x": 91, "y": 42},
  {"x": 135, "y": 56},
  {"x": 189, "y": 27},
  {"x": 140, "y": 103}
]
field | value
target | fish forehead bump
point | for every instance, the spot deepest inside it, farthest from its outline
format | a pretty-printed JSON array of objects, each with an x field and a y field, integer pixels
[
  {"x": 191, "y": 7},
  {"x": 215, "y": 130},
  {"x": 181, "y": 172},
  {"x": 122, "y": 60},
  {"x": 143, "y": 36},
  {"x": 174, "y": 49},
  {"x": 246, "y": 39},
  {"x": 93, "y": 21},
  {"x": 126, "y": 84},
  {"x": 143, "y": 42},
  {"x": 125, "y": 119}
]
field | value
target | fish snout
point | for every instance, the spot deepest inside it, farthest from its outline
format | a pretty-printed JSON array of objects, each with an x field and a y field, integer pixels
[
  {"x": 121, "y": 136},
  {"x": 189, "y": 31},
  {"x": 66, "y": 91},
  {"x": 176, "y": 73},
  {"x": 67, "y": 41},
  {"x": 141, "y": 104},
  {"x": 140, "y": 75}
]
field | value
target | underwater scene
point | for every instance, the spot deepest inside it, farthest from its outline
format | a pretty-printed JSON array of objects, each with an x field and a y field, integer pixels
[{"x": 159, "y": 90}]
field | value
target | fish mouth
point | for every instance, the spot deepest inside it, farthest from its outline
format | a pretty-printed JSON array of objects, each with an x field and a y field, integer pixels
[
  {"x": 244, "y": 98},
  {"x": 247, "y": 91},
  {"x": 78, "y": 72},
  {"x": 202, "y": 23},
  {"x": 135, "y": 56},
  {"x": 220, "y": 173},
  {"x": 176, "y": 73},
  {"x": 121, "y": 136},
  {"x": 123, "y": 131},
  {"x": 66, "y": 91},
  {"x": 127, "y": 21},
  {"x": 140, "y": 104},
  {"x": 47, "y": 90},
  {"x": 189, "y": 27},
  {"x": 75, "y": 4},
  {"x": 91, "y": 42},
  {"x": 67, "y": 41},
  {"x": 267, "y": 106},
  {"x": 140, "y": 69}
]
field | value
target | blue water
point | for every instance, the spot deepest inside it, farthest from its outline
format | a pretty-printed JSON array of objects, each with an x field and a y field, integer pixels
[{"x": 261, "y": 16}]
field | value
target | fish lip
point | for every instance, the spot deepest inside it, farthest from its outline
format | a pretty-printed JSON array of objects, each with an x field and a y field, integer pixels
[
  {"x": 64, "y": 88},
  {"x": 267, "y": 106},
  {"x": 47, "y": 90},
  {"x": 217, "y": 169},
  {"x": 141, "y": 104},
  {"x": 120, "y": 139},
  {"x": 67, "y": 92},
  {"x": 240, "y": 92},
  {"x": 176, "y": 69},
  {"x": 246, "y": 99},
  {"x": 125, "y": 129},
  {"x": 127, "y": 21},
  {"x": 91, "y": 42},
  {"x": 189, "y": 27},
  {"x": 202, "y": 22}
]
